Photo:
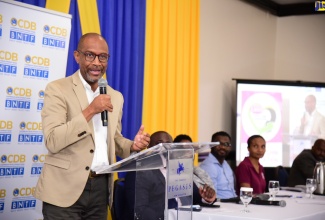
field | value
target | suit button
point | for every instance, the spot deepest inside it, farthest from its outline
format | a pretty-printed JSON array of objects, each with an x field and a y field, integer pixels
[
  {"x": 91, "y": 151},
  {"x": 87, "y": 167}
]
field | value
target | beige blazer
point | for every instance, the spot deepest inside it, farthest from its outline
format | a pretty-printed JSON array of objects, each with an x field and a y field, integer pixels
[{"x": 69, "y": 139}]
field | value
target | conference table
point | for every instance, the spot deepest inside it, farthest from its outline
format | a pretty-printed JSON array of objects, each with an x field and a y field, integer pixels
[{"x": 298, "y": 206}]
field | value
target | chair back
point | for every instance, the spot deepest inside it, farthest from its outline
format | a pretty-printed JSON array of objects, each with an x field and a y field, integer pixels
[{"x": 281, "y": 174}]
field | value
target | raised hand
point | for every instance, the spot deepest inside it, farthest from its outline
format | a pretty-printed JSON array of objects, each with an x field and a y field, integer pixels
[{"x": 141, "y": 140}]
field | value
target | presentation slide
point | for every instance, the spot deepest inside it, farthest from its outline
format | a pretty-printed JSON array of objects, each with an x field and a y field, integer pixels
[{"x": 290, "y": 117}]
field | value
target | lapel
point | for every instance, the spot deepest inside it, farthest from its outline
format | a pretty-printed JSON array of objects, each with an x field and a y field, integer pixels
[
  {"x": 80, "y": 92},
  {"x": 109, "y": 120}
]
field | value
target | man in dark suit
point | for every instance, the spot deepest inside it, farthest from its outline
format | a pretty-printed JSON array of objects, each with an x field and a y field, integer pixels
[
  {"x": 150, "y": 188},
  {"x": 304, "y": 164}
]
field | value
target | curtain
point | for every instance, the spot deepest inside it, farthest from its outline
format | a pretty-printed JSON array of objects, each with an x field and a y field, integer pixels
[
  {"x": 172, "y": 67},
  {"x": 122, "y": 23}
]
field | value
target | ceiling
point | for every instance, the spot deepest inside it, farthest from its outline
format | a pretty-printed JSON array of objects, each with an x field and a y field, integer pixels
[{"x": 286, "y": 7}]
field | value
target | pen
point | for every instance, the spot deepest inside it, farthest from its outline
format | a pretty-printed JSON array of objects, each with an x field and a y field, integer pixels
[{"x": 287, "y": 196}]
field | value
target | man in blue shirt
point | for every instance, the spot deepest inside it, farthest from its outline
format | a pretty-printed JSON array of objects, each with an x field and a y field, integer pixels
[{"x": 217, "y": 167}]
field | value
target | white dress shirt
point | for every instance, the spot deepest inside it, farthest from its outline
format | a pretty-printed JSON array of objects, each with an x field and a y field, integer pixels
[{"x": 100, "y": 131}]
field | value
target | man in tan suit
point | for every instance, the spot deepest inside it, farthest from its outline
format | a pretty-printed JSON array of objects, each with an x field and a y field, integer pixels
[
  {"x": 312, "y": 122},
  {"x": 76, "y": 140}
]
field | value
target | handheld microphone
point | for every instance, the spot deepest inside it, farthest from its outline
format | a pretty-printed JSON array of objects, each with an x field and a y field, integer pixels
[
  {"x": 102, "y": 83},
  {"x": 281, "y": 203},
  {"x": 230, "y": 200}
]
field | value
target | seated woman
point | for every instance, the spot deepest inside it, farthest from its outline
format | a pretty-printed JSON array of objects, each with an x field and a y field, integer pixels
[{"x": 250, "y": 173}]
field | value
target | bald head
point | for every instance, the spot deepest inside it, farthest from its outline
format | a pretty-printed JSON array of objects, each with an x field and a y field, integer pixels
[
  {"x": 318, "y": 149},
  {"x": 310, "y": 103},
  {"x": 87, "y": 36},
  {"x": 160, "y": 137}
]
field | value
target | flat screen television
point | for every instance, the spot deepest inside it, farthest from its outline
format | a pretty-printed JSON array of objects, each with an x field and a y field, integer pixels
[{"x": 289, "y": 115}]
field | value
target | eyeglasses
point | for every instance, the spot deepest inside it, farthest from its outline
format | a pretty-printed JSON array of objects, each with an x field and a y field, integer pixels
[
  {"x": 90, "y": 57},
  {"x": 225, "y": 144}
]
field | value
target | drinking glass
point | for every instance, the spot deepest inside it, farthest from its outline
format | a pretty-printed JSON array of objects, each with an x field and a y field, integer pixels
[
  {"x": 311, "y": 185},
  {"x": 274, "y": 188},
  {"x": 246, "y": 195}
]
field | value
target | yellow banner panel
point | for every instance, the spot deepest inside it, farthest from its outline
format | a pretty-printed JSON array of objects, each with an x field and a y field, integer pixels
[
  {"x": 88, "y": 16},
  {"x": 172, "y": 67},
  {"x": 58, "y": 5}
]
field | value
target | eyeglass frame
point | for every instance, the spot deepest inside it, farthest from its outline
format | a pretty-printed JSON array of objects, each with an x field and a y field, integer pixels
[
  {"x": 224, "y": 144},
  {"x": 95, "y": 55}
]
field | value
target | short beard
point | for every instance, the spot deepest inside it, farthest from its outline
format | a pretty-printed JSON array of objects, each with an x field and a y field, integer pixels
[{"x": 89, "y": 79}]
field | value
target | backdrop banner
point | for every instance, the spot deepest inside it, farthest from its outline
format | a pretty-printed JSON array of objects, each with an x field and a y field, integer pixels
[{"x": 34, "y": 45}]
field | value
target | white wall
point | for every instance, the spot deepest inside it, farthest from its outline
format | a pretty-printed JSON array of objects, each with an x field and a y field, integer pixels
[
  {"x": 238, "y": 40},
  {"x": 300, "y": 48}
]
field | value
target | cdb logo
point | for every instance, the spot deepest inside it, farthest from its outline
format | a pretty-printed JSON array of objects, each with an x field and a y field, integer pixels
[
  {"x": 55, "y": 30},
  {"x": 41, "y": 61},
  {"x": 24, "y": 191},
  {"x": 5, "y": 125},
  {"x": 31, "y": 126},
  {"x": 13, "y": 158},
  {"x": 6, "y": 55},
  {"x": 19, "y": 91},
  {"x": 2, "y": 193},
  {"x": 41, "y": 94},
  {"x": 24, "y": 24},
  {"x": 39, "y": 158}
]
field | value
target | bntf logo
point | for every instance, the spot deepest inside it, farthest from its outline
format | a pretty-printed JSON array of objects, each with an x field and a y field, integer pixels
[
  {"x": 25, "y": 24},
  {"x": 319, "y": 5},
  {"x": 17, "y": 91},
  {"x": 41, "y": 61},
  {"x": 30, "y": 126},
  {"x": 38, "y": 158},
  {"x": 24, "y": 191},
  {"x": 8, "y": 56},
  {"x": 180, "y": 168},
  {"x": 13, "y": 158},
  {"x": 55, "y": 30},
  {"x": 41, "y": 94},
  {"x": 0, "y": 18}
]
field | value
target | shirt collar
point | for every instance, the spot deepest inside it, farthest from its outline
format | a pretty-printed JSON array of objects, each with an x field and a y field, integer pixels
[{"x": 215, "y": 160}]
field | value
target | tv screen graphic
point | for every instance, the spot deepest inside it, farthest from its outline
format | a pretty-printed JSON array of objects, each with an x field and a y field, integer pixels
[{"x": 289, "y": 115}]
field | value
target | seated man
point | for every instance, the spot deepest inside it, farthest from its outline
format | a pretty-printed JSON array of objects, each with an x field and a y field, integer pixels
[
  {"x": 217, "y": 167},
  {"x": 200, "y": 176},
  {"x": 304, "y": 164},
  {"x": 150, "y": 188}
]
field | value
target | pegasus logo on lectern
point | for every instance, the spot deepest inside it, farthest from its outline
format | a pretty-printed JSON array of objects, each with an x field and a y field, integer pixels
[{"x": 180, "y": 168}]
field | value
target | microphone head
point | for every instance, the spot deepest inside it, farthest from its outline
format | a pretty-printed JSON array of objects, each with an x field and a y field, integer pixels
[
  {"x": 282, "y": 203},
  {"x": 102, "y": 82}
]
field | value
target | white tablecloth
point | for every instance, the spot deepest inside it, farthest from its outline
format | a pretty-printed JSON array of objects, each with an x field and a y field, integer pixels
[{"x": 297, "y": 207}]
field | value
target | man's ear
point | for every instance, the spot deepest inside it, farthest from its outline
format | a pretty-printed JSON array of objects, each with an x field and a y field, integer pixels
[{"x": 76, "y": 55}]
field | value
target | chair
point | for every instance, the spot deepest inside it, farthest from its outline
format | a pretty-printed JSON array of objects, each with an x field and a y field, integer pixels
[
  {"x": 281, "y": 175},
  {"x": 118, "y": 199}
]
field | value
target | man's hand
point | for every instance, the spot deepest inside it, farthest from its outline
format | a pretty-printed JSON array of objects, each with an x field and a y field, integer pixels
[
  {"x": 98, "y": 105},
  {"x": 101, "y": 103},
  {"x": 141, "y": 140},
  {"x": 207, "y": 193}
]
